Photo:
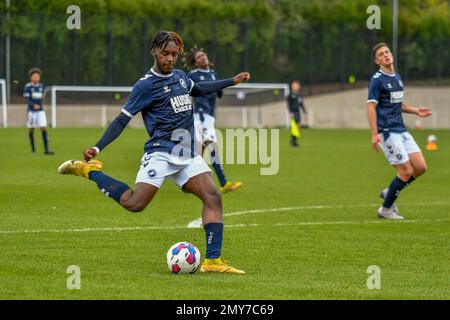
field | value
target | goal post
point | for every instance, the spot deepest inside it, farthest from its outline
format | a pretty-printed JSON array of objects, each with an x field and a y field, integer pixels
[
  {"x": 244, "y": 96},
  {"x": 248, "y": 96},
  {"x": 54, "y": 89},
  {"x": 4, "y": 105}
]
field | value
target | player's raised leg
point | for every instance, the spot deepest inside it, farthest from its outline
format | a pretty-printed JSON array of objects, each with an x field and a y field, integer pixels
[
  {"x": 418, "y": 164},
  {"x": 138, "y": 199},
  {"x": 132, "y": 200},
  {"x": 406, "y": 174},
  {"x": 401, "y": 180},
  {"x": 203, "y": 187}
]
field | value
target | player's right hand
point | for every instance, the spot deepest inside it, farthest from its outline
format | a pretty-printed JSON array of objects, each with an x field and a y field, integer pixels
[
  {"x": 376, "y": 140},
  {"x": 89, "y": 154}
]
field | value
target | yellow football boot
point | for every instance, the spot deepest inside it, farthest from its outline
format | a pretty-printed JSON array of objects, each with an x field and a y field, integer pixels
[
  {"x": 80, "y": 168},
  {"x": 218, "y": 265},
  {"x": 230, "y": 186}
]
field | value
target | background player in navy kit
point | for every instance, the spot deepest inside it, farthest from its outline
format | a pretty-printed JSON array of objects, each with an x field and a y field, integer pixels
[
  {"x": 204, "y": 114},
  {"x": 384, "y": 110},
  {"x": 296, "y": 105},
  {"x": 34, "y": 93},
  {"x": 162, "y": 96}
]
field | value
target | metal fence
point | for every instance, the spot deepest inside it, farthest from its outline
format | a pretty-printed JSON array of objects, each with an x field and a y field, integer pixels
[{"x": 114, "y": 51}]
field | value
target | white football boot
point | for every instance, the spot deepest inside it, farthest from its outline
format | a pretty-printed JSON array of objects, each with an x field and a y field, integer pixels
[
  {"x": 383, "y": 195},
  {"x": 390, "y": 214}
]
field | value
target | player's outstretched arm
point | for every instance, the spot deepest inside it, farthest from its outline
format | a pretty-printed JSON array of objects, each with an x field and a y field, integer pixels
[
  {"x": 420, "y": 111},
  {"x": 112, "y": 132},
  {"x": 208, "y": 87}
]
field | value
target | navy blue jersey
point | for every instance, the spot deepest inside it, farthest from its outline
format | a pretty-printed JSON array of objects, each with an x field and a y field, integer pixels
[
  {"x": 204, "y": 104},
  {"x": 295, "y": 102},
  {"x": 166, "y": 110},
  {"x": 386, "y": 90},
  {"x": 34, "y": 94}
]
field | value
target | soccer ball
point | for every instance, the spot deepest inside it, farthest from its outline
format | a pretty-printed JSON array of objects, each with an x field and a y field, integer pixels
[{"x": 183, "y": 257}]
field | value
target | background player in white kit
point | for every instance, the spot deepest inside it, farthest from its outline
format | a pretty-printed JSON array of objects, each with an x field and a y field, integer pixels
[{"x": 384, "y": 110}]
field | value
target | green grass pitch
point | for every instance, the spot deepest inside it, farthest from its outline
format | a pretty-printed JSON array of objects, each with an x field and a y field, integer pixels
[{"x": 309, "y": 232}]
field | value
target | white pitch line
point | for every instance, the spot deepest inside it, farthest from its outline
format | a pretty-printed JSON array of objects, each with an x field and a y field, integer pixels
[
  {"x": 75, "y": 230},
  {"x": 306, "y": 223},
  {"x": 242, "y": 225},
  {"x": 323, "y": 223},
  {"x": 197, "y": 223}
]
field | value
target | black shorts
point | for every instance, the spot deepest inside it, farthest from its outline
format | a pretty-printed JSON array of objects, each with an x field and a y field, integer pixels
[{"x": 297, "y": 116}]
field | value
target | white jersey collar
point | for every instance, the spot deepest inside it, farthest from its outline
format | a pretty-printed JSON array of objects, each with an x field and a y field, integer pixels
[
  {"x": 160, "y": 74},
  {"x": 202, "y": 70},
  {"x": 387, "y": 74}
]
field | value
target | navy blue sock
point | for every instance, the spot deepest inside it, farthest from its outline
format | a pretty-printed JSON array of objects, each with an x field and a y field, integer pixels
[
  {"x": 218, "y": 169},
  {"x": 411, "y": 180},
  {"x": 31, "y": 136},
  {"x": 214, "y": 233},
  {"x": 394, "y": 191},
  {"x": 45, "y": 139},
  {"x": 109, "y": 186}
]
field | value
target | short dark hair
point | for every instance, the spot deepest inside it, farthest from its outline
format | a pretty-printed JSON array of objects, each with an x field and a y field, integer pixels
[
  {"x": 33, "y": 71},
  {"x": 378, "y": 46},
  {"x": 162, "y": 38}
]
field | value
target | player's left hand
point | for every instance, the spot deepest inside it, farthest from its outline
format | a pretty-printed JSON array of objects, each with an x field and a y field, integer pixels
[
  {"x": 424, "y": 112},
  {"x": 241, "y": 77},
  {"x": 36, "y": 106}
]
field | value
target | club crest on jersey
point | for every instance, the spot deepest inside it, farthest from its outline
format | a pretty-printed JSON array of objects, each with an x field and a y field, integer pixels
[
  {"x": 183, "y": 84},
  {"x": 397, "y": 97},
  {"x": 181, "y": 103},
  {"x": 166, "y": 89},
  {"x": 202, "y": 78}
]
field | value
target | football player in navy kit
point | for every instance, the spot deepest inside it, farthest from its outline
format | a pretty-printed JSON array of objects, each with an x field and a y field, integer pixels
[
  {"x": 384, "y": 110},
  {"x": 204, "y": 115},
  {"x": 34, "y": 93},
  {"x": 162, "y": 97}
]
